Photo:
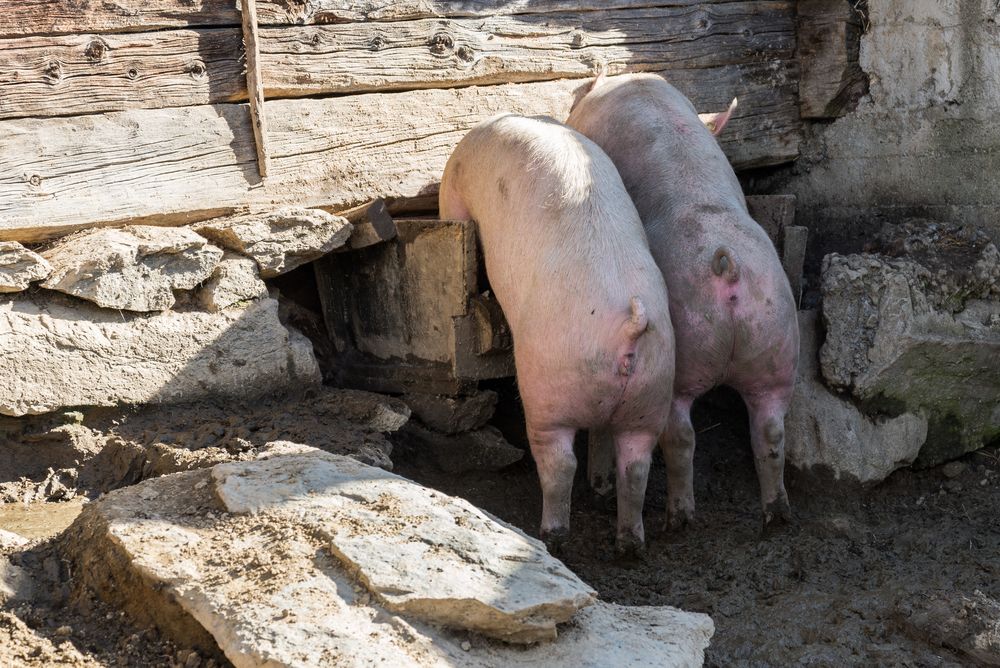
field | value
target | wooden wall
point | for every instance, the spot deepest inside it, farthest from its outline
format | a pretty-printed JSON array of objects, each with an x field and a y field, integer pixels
[{"x": 112, "y": 112}]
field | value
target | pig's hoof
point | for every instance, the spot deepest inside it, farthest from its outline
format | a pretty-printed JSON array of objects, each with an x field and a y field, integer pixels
[
  {"x": 555, "y": 539},
  {"x": 777, "y": 516},
  {"x": 629, "y": 547},
  {"x": 678, "y": 521}
]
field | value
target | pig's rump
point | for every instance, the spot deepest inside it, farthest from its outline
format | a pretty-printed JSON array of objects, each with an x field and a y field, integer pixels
[
  {"x": 565, "y": 253},
  {"x": 734, "y": 328}
]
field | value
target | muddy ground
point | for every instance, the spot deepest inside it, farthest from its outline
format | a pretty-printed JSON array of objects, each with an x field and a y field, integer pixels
[{"x": 906, "y": 574}]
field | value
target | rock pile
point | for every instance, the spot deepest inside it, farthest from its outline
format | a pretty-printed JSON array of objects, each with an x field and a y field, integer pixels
[{"x": 160, "y": 315}]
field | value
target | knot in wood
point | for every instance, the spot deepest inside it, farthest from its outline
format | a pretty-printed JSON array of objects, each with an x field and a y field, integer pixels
[
  {"x": 53, "y": 71},
  {"x": 578, "y": 40},
  {"x": 35, "y": 180},
  {"x": 376, "y": 43},
  {"x": 465, "y": 53},
  {"x": 441, "y": 43},
  {"x": 95, "y": 50},
  {"x": 132, "y": 73},
  {"x": 197, "y": 69}
]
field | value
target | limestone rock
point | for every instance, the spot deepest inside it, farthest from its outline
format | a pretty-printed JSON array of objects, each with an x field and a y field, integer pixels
[
  {"x": 57, "y": 354},
  {"x": 481, "y": 450},
  {"x": 451, "y": 415},
  {"x": 234, "y": 280},
  {"x": 265, "y": 588},
  {"x": 428, "y": 556},
  {"x": 829, "y": 436},
  {"x": 10, "y": 540},
  {"x": 904, "y": 335},
  {"x": 19, "y": 267},
  {"x": 134, "y": 268},
  {"x": 281, "y": 240}
]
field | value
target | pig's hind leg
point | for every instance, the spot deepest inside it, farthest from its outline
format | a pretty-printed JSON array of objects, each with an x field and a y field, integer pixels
[
  {"x": 634, "y": 452},
  {"x": 767, "y": 410},
  {"x": 677, "y": 444},
  {"x": 552, "y": 450}
]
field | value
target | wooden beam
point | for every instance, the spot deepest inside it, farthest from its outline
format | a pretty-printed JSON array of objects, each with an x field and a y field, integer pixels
[
  {"x": 173, "y": 166},
  {"x": 68, "y": 75},
  {"x": 51, "y": 17},
  {"x": 255, "y": 84},
  {"x": 829, "y": 48}
]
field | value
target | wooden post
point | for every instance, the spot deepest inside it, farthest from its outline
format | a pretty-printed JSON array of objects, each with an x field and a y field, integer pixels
[{"x": 255, "y": 87}]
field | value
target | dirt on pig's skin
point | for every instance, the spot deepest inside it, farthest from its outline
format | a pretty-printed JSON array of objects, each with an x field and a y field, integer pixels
[{"x": 842, "y": 586}]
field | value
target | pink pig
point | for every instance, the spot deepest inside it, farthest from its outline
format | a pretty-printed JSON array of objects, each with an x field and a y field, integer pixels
[
  {"x": 568, "y": 260},
  {"x": 730, "y": 301}
]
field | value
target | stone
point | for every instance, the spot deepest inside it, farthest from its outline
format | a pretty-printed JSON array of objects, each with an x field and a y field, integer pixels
[
  {"x": 15, "y": 582},
  {"x": 234, "y": 280},
  {"x": 451, "y": 415},
  {"x": 421, "y": 554},
  {"x": 59, "y": 354},
  {"x": 953, "y": 469},
  {"x": 967, "y": 624},
  {"x": 10, "y": 540},
  {"x": 481, "y": 450},
  {"x": 20, "y": 267},
  {"x": 266, "y": 588},
  {"x": 829, "y": 436},
  {"x": 279, "y": 241},
  {"x": 134, "y": 268},
  {"x": 919, "y": 333}
]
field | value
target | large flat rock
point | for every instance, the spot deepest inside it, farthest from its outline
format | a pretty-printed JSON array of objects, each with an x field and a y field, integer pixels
[
  {"x": 432, "y": 557},
  {"x": 828, "y": 436},
  {"x": 247, "y": 560},
  {"x": 57, "y": 354},
  {"x": 136, "y": 268}
]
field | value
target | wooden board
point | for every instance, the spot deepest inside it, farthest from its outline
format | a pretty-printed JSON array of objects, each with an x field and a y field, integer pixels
[
  {"x": 48, "y": 17},
  {"x": 171, "y": 166},
  {"x": 829, "y": 47},
  {"x": 414, "y": 312},
  {"x": 76, "y": 74}
]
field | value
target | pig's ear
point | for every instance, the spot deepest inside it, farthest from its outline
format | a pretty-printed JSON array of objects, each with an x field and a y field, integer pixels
[{"x": 715, "y": 122}]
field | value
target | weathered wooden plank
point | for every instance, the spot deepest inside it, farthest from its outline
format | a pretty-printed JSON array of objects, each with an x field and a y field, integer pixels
[
  {"x": 170, "y": 166},
  {"x": 51, "y": 17},
  {"x": 829, "y": 45},
  {"x": 46, "y": 76},
  {"x": 255, "y": 85}
]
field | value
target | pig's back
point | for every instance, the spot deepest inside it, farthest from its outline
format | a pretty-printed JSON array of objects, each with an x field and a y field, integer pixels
[
  {"x": 553, "y": 215},
  {"x": 692, "y": 206},
  {"x": 565, "y": 252}
]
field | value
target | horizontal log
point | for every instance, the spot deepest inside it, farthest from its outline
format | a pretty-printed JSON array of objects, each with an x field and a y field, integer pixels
[
  {"x": 50, "y": 17},
  {"x": 173, "y": 166},
  {"x": 75, "y": 74}
]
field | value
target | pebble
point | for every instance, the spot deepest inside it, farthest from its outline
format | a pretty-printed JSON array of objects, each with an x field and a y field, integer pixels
[
  {"x": 466, "y": 645},
  {"x": 64, "y": 631},
  {"x": 201, "y": 485},
  {"x": 953, "y": 469}
]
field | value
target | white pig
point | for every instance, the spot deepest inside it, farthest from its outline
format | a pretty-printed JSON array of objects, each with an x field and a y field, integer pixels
[{"x": 568, "y": 260}]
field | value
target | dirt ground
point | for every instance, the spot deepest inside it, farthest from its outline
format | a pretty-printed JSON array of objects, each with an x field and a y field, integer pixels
[{"x": 905, "y": 574}]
